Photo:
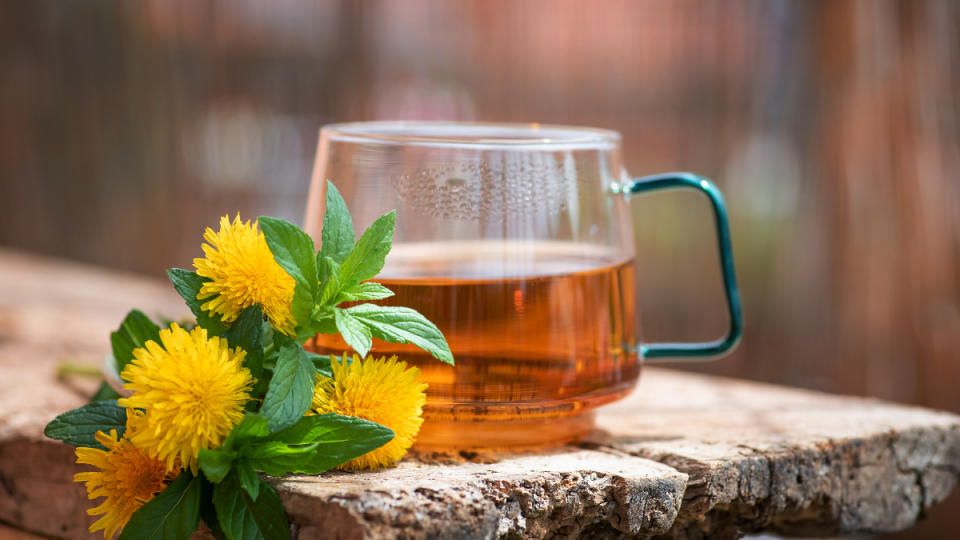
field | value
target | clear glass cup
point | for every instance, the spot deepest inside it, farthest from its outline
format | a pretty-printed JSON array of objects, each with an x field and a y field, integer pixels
[{"x": 516, "y": 240}]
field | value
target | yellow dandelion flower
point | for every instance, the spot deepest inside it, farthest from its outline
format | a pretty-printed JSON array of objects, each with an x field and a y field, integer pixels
[
  {"x": 127, "y": 477},
  {"x": 192, "y": 388},
  {"x": 382, "y": 391},
  {"x": 243, "y": 272}
]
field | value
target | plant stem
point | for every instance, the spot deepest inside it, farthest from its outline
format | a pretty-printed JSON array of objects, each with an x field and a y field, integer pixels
[{"x": 66, "y": 369}]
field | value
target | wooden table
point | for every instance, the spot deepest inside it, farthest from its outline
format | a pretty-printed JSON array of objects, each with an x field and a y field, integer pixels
[{"x": 686, "y": 456}]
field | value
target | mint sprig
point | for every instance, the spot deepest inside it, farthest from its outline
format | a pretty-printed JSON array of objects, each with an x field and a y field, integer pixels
[{"x": 345, "y": 268}]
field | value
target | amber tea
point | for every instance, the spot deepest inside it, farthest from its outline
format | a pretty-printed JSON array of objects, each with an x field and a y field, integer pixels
[{"x": 540, "y": 332}]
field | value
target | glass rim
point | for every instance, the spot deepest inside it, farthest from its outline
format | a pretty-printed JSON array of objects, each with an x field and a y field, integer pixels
[{"x": 480, "y": 135}]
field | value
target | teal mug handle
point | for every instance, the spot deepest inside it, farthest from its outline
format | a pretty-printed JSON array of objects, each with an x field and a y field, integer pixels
[{"x": 693, "y": 351}]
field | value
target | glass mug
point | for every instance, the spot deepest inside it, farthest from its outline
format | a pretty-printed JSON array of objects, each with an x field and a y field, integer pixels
[{"x": 516, "y": 241}]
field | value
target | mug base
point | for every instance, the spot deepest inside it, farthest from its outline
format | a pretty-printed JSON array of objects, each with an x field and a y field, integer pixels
[
  {"x": 445, "y": 435},
  {"x": 513, "y": 426}
]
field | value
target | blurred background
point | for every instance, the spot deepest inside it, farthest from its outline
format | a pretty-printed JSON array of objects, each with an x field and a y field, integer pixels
[{"x": 832, "y": 126}]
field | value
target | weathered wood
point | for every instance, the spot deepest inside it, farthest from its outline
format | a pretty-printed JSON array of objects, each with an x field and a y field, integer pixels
[
  {"x": 557, "y": 493},
  {"x": 766, "y": 458},
  {"x": 685, "y": 456}
]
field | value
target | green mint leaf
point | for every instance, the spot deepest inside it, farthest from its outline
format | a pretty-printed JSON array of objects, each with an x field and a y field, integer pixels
[
  {"x": 172, "y": 515},
  {"x": 403, "y": 325},
  {"x": 354, "y": 332},
  {"x": 338, "y": 439},
  {"x": 324, "y": 321},
  {"x": 188, "y": 285},
  {"x": 277, "y": 459},
  {"x": 253, "y": 426},
  {"x": 270, "y": 355},
  {"x": 247, "y": 333},
  {"x": 216, "y": 463},
  {"x": 329, "y": 427},
  {"x": 291, "y": 389},
  {"x": 104, "y": 393},
  {"x": 367, "y": 258},
  {"x": 331, "y": 283},
  {"x": 321, "y": 363},
  {"x": 135, "y": 330},
  {"x": 243, "y": 518},
  {"x": 305, "y": 333},
  {"x": 293, "y": 250},
  {"x": 323, "y": 275},
  {"x": 338, "y": 237},
  {"x": 271, "y": 450},
  {"x": 368, "y": 290},
  {"x": 208, "y": 513},
  {"x": 249, "y": 480},
  {"x": 78, "y": 427},
  {"x": 350, "y": 438}
]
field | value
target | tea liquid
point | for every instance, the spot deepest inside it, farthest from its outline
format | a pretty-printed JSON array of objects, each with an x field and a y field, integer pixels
[{"x": 540, "y": 333}]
